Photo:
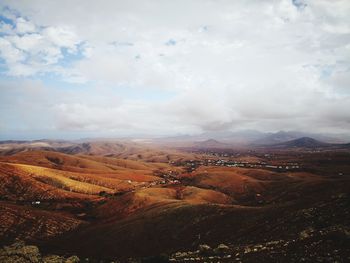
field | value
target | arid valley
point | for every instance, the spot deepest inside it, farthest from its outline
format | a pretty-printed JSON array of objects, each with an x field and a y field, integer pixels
[{"x": 125, "y": 200}]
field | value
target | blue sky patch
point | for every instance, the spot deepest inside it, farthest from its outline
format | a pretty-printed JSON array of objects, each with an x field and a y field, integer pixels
[
  {"x": 170, "y": 42},
  {"x": 299, "y": 4}
]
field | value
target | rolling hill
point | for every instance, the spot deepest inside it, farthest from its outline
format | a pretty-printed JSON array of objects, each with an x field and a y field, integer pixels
[{"x": 119, "y": 201}]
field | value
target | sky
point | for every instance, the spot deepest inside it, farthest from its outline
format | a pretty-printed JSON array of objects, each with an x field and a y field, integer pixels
[{"x": 109, "y": 68}]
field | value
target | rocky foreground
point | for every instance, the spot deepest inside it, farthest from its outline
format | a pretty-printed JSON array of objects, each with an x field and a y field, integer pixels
[
  {"x": 21, "y": 253},
  {"x": 320, "y": 233},
  {"x": 308, "y": 247}
]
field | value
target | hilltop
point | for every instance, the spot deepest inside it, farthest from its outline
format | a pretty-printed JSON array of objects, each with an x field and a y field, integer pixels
[{"x": 211, "y": 143}]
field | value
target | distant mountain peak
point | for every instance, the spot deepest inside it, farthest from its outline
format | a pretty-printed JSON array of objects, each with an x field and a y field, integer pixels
[
  {"x": 306, "y": 140},
  {"x": 210, "y": 143},
  {"x": 303, "y": 142}
]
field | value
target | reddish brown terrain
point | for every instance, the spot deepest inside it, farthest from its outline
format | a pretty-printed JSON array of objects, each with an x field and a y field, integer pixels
[{"x": 109, "y": 200}]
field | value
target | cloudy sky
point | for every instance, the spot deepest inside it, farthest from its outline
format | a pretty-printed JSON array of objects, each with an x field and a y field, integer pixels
[{"x": 81, "y": 68}]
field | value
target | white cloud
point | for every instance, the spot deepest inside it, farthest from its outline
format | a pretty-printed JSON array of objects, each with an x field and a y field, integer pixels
[
  {"x": 23, "y": 26},
  {"x": 257, "y": 64},
  {"x": 61, "y": 37},
  {"x": 9, "y": 53},
  {"x": 29, "y": 50}
]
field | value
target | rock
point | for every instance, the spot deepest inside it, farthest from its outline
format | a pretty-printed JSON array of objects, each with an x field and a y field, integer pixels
[
  {"x": 222, "y": 249},
  {"x": 205, "y": 249},
  {"x": 306, "y": 233},
  {"x": 53, "y": 259},
  {"x": 181, "y": 254},
  {"x": 72, "y": 259},
  {"x": 20, "y": 253},
  {"x": 247, "y": 250}
]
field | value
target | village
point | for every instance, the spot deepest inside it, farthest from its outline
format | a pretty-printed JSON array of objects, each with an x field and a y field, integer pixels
[{"x": 192, "y": 165}]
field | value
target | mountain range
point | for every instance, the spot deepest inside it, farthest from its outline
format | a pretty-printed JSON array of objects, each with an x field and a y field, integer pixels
[
  {"x": 128, "y": 147},
  {"x": 251, "y": 137}
]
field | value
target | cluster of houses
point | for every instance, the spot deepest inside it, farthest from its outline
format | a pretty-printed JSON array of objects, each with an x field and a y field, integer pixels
[
  {"x": 216, "y": 153},
  {"x": 192, "y": 165},
  {"x": 163, "y": 182},
  {"x": 168, "y": 177},
  {"x": 229, "y": 163}
]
